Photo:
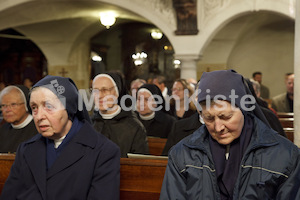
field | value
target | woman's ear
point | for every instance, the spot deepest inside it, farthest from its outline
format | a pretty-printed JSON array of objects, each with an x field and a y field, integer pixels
[{"x": 200, "y": 118}]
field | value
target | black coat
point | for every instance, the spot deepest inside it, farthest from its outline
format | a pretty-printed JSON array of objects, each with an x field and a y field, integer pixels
[
  {"x": 125, "y": 130},
  {"x": 87, "y": 168},
  {"x": 11, "y": 138},
  {"x": 160, "y": 126},
  {"x": 181, "y": 129}
]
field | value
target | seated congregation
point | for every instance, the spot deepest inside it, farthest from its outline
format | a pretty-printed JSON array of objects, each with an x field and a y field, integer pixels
[{"x": 70, "y": 145}]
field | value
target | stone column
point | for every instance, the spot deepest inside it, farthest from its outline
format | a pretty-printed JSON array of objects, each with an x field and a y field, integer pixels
[
  {"x": 297, "y": 75},
  {"x": 188, "y": 66}
]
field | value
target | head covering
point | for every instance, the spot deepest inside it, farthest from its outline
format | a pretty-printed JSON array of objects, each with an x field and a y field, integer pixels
[
  {"x": 222, "y": 83},
  {"x": 118, "y": 81},
  {"x": 25, "y": 92},
  {"x": 67, "y": 92},
  {"x": 154, "y": 90}
]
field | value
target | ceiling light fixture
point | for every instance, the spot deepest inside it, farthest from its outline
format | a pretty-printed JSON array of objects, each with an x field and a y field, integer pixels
[
  {"x": 107, "y": 19},
  {"x": 156, "y": 34}
]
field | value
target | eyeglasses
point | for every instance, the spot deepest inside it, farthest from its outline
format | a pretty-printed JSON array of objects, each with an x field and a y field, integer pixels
[
  {"x": 176, "y": 89},
  {"x": 103, "y": 90},
  {"x": 11, "y": 106}
]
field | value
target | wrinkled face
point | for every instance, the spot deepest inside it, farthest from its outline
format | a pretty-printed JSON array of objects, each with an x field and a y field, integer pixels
[
  {"x": 178, "y": 90},
  {"x": 49, "y": 114},
  {"x": 105, "y": 95},
  {"x": 224, "y": 122},
  {"x": 289, "y": 82},
  {"x": 145, "y": 103},
  {"x": 13, "y": 108}
]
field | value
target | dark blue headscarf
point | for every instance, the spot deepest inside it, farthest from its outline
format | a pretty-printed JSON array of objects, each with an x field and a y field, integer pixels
[
  {"x": 67, "y": 92},
  {"x": 222, "y": 83}
]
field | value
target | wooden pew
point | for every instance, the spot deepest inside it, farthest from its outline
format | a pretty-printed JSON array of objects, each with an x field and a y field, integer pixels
[
  {"x": 289, "y": 133},
  {"x": 156, "y": 145},
  {"x": 287, "y": 122},
  {"x": 141, "y": 178},
  {"x": 285, "y": 115},
  {"x": 6, "y": 161}
]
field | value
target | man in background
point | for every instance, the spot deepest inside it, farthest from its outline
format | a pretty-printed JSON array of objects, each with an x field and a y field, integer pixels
[
  {"x": 160, "y": 82},
  {"x": 264, "y": 90},
  {"x": 285, "y": 102}
]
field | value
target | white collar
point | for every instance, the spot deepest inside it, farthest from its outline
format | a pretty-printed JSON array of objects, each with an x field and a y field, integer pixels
[
  {"x": 23, "y": 124},
  {"x": 112, "y": 115},
  {"x": 165, "y": 92},
  {"x": 148, "y": 117},
  {"x": 57, "y": 142}
]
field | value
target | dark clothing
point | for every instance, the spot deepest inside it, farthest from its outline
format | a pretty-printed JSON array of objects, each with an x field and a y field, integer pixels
[
  {"x": 181, "y": 129},
  {"x": 186, "y": 114},
  {"x": 11, "y": 138},
  {"x": 125, "y": 130},
  {"x": 273, "y": 121},
  {"x": 160, "y": 126},
  {"x": 269, "y": 169},
  {"x": 264, "y": 92},
  {"x": 87, "y": 168}
]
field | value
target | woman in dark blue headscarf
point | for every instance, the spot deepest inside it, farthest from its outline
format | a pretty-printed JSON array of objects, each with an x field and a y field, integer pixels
[
  {"x": 234, "y": 155},
  {"x": 68, "y": 159},
  {"x": 152, "y": 113}
]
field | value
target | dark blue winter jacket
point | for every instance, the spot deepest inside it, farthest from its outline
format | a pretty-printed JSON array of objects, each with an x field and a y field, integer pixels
[{"x": 270, "y": 168}]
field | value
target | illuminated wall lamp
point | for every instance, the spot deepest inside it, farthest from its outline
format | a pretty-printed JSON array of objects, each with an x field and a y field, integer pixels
[
  {"x": 155, "y": 34},
  {"x": 107, "y": 19}
]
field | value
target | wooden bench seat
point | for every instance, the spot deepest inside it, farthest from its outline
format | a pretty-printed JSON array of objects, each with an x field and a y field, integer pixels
[{"x": 140, "y": 178}]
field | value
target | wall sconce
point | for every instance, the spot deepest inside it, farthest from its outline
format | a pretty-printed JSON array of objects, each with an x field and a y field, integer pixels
[
  {"x": 156, "y": 34},
  {"x": 139, "y": 58},
  {"x": 107, "y": 19}
]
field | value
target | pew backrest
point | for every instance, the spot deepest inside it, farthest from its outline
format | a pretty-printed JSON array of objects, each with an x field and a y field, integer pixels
[
  {"x": 139, "y": 178},
  {"x": 156, "y": 145},
  {"x": 6, "y": 161}
]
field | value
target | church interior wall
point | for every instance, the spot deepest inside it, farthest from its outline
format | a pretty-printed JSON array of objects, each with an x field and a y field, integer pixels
[{"x": 255, "y": 42}]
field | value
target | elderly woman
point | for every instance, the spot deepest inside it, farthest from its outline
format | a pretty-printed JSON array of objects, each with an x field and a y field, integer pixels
[
  {"x": 68, "y": 159},
  {"x": 152, "y": 113},
  {"x": 234, "y": 155},
  {"x": 112, "y": 119}
]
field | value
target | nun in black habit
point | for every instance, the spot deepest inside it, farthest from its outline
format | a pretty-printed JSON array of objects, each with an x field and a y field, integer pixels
[
  {"x": 111, "y": 118},
  {"x": 68, "y": 159},
  {"x": 235, "y": 154},
  {"x": 152, "y": 113},
  {"x": 19, "y": 125}
]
